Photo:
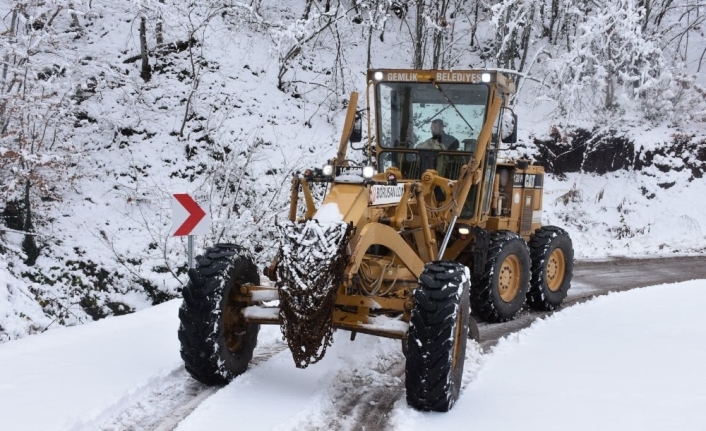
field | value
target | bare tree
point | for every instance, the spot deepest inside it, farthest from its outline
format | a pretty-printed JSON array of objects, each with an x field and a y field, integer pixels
[
  {"x": 35, "y": 108},
  {"x": 608, "y": 46},
  {"x": 158, "y": 28},
  {"x": 145, "y": 70}
]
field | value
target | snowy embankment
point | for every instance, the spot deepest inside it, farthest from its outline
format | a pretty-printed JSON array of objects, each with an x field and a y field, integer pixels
[
  {"x": 608, "y": 215},
  {"x": 15, "y": 295},
  {"x": 630, "y": 360}
]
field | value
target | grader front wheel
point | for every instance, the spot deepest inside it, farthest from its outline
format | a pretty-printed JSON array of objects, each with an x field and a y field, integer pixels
[
  {"x": 216, "y": 342},
  {"x": 436, "y": 342}
]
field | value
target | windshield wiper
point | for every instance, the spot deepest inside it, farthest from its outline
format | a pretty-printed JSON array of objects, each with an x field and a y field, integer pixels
[{"x": 452, "y": 104}]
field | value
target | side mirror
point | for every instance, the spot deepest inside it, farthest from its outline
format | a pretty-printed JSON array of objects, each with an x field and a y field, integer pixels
[
  {"x": 357, "y": 132},
  {"x": 469, "y": 145},
  {"x": 509, "y": 127}
]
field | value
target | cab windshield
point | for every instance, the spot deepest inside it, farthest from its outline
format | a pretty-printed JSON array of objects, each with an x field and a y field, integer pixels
[{"x": 419, "y": 115}]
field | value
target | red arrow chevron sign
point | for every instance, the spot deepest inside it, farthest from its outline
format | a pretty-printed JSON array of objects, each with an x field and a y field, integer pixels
[{"x": 188, "y": 218}]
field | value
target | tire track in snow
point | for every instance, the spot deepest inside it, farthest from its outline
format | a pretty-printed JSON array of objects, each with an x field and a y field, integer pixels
[
  {"x": 362, "y": 398},
  {"x": 176, "y": 415},
  {"x": 161, "y": 406},
  {"x": 180, "y": 411},
  {"x": 374, "y": 411}
]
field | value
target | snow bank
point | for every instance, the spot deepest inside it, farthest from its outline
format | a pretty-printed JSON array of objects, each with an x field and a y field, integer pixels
[
  {"x": 20, "y": 314},
  {"x": 626, "y": 361},
  {"x": 617, "y": 215},
  {"x": 68, "y": 378},
  {"x": 630, "y": 360}
]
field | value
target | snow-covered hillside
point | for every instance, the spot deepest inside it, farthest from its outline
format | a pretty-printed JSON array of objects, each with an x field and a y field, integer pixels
[{"x": 243, "y": 95}]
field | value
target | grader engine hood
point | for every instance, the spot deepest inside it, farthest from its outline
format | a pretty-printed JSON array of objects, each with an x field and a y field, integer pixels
[{"x": 352, "y": 201}]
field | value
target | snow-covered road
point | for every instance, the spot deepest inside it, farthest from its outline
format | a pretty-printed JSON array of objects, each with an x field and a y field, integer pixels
[
  {"x": 631, "y": 360},
  {"x": 73, "y": 378}
]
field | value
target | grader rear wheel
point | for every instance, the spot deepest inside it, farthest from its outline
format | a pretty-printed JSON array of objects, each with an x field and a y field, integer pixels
[
  {"x": 509, "y": 278},
  {"x": 499, "y": 291},
  {"x": 552, "y": 267},
  {"x": 556, "y": 269}
]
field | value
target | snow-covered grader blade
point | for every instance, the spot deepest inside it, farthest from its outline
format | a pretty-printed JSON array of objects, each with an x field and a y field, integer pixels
[{"x": 404, "y": 245}]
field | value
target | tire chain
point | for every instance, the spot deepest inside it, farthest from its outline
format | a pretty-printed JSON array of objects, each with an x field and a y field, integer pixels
[{"x": 312, "y": 262}]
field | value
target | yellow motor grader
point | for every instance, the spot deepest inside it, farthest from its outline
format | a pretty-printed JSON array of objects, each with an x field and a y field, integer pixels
[{"x": 432, "y": 223}]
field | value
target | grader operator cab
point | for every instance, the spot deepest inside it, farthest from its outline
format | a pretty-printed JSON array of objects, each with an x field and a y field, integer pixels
[{"x": 434, "y": 224}]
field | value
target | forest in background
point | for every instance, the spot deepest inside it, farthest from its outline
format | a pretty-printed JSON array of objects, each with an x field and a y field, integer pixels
[{"x": 104, "y": 102}]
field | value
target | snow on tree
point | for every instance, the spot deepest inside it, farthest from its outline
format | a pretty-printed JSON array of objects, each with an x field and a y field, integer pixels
[
  {"x": 593, "y": 57},
  {"x": 608, "y": 50},
  {"x": 37, "y": 89}
]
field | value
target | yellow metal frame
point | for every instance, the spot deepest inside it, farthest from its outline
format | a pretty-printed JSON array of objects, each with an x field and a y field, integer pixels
[{"x": 410, "y": 230}]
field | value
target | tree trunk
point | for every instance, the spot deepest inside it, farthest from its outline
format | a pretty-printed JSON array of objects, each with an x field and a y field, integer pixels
[
  {"x": 146, "y": 72},
  {"x": 29, "y": 246},
  {"x": 74, "y": 17},
  {"x": 474, "y": 26},
  {"x": 502, "y": 32},
  {"x": 419, "y": 36},
  {"x": 307, "y": 9},
  {"x": 6, "y": 61},
  {"x": 370, "y": 33},
  {"x": 442, "y": 8},
  {"x": 158, "y": 30},
  {"x": 370, "y": 44},
  {"x": 553, "y": 18},
  {"x": 527, "y": 32},
  {"x": 647, "y": 5},
  {"x": 609, "y": 82}
]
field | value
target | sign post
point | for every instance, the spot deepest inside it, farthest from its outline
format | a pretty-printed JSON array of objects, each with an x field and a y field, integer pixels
[
  {"x": 188, "y": 219},
  {"x": 190, "y": 246}
]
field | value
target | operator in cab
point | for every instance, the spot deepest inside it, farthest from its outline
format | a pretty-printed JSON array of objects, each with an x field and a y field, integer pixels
[{"x": 439, "y": 140}]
